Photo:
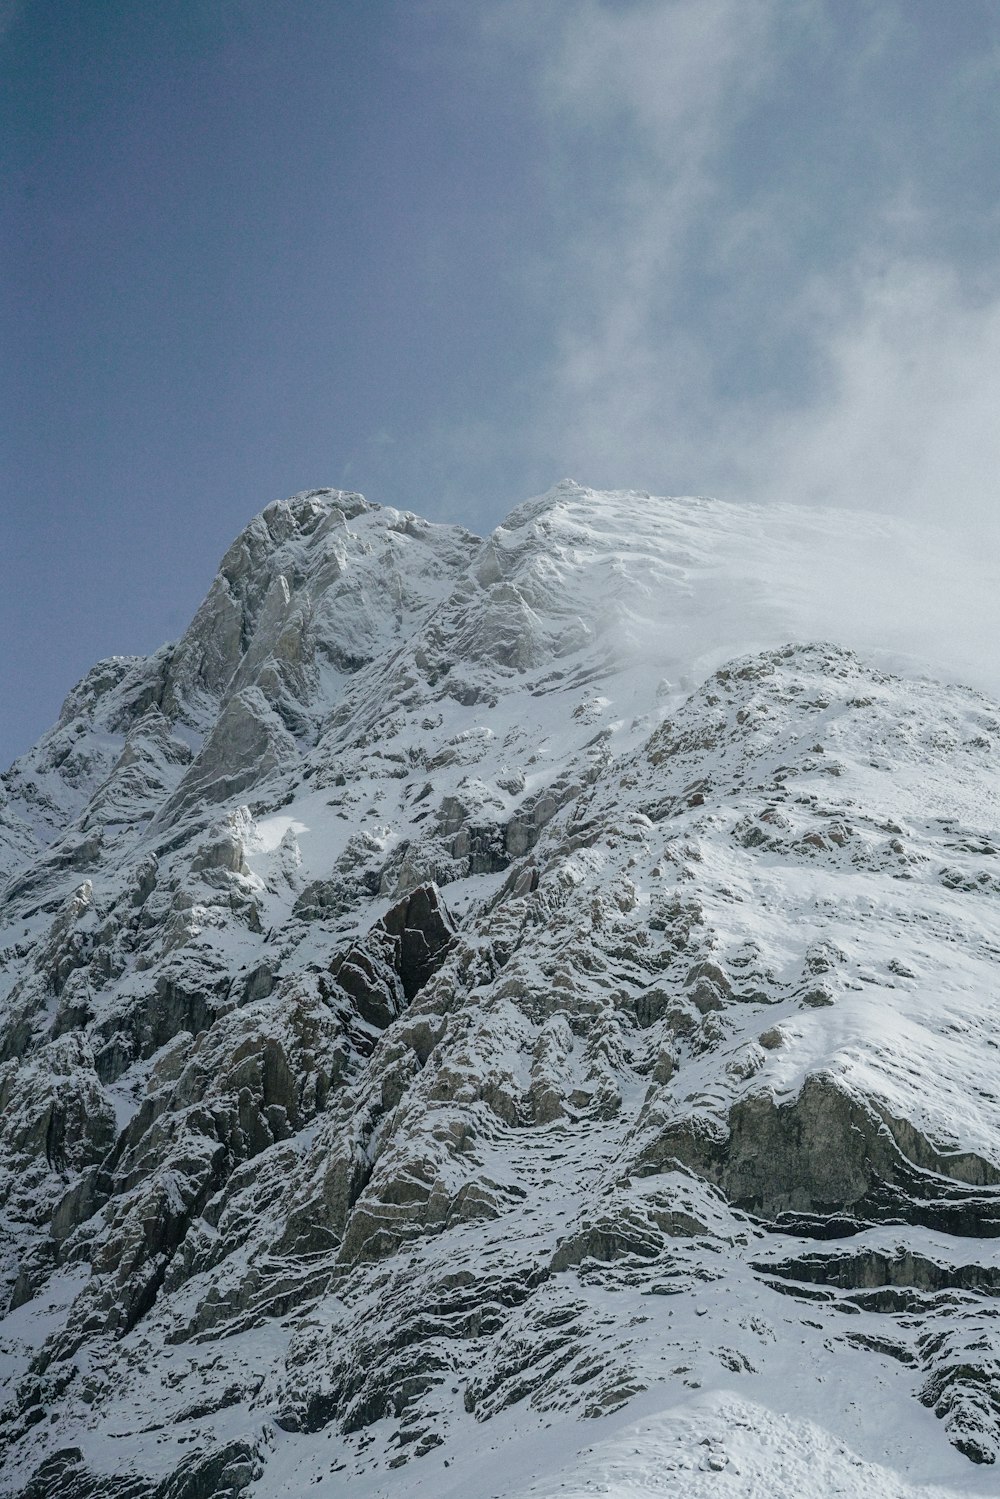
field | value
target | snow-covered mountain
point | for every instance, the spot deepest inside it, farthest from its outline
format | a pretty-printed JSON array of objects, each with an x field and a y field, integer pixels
[{"x": 509, "y": 1017}]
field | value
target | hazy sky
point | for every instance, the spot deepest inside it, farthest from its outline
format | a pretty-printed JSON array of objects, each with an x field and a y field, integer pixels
[{"x": 447, "y": 251}]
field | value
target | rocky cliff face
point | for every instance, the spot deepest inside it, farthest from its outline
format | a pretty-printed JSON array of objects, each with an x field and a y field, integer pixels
[{"x": 468, "y": 1025}]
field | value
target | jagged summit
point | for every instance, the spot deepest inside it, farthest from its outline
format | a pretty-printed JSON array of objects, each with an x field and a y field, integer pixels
[{"x": 467, "y": 985}]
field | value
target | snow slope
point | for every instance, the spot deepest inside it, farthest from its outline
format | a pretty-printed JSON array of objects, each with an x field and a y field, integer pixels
[{"x": 494, "y": 1017}]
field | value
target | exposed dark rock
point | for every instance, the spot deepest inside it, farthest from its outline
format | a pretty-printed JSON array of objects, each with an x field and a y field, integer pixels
[
  {"x": 424, "y": 931},
  {"x": 828, "y": 1153},
  {"x": 220, "y": 1474}
]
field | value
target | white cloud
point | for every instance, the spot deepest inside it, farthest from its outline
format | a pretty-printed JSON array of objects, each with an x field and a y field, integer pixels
[
  {"x": 670, "y": 66},
  {"x": 761, "y": 338},
  {"x": 901, "y": 410},
  {"x": 665, "y": 84},
  {"x": 906, "y": 418}
]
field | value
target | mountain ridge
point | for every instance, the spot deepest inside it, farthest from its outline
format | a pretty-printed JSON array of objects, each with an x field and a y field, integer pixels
[{"x": 462, "y": 993}]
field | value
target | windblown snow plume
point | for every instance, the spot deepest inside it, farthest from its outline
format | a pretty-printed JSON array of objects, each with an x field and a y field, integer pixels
[{"x": 511, "y": 1017}]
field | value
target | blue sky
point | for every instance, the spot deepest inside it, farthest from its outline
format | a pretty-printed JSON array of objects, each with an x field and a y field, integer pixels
[{"x": 448, "y": 251}]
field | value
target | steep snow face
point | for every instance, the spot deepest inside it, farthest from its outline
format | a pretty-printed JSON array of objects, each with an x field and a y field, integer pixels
[{"x": 469, "y": 986}]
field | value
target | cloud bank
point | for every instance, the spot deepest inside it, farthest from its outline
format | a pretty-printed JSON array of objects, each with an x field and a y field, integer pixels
[{"x": 776, "y": 279}]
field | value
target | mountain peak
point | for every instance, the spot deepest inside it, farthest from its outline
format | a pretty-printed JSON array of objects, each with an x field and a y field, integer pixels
[{"x": 467, "y": 985}]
